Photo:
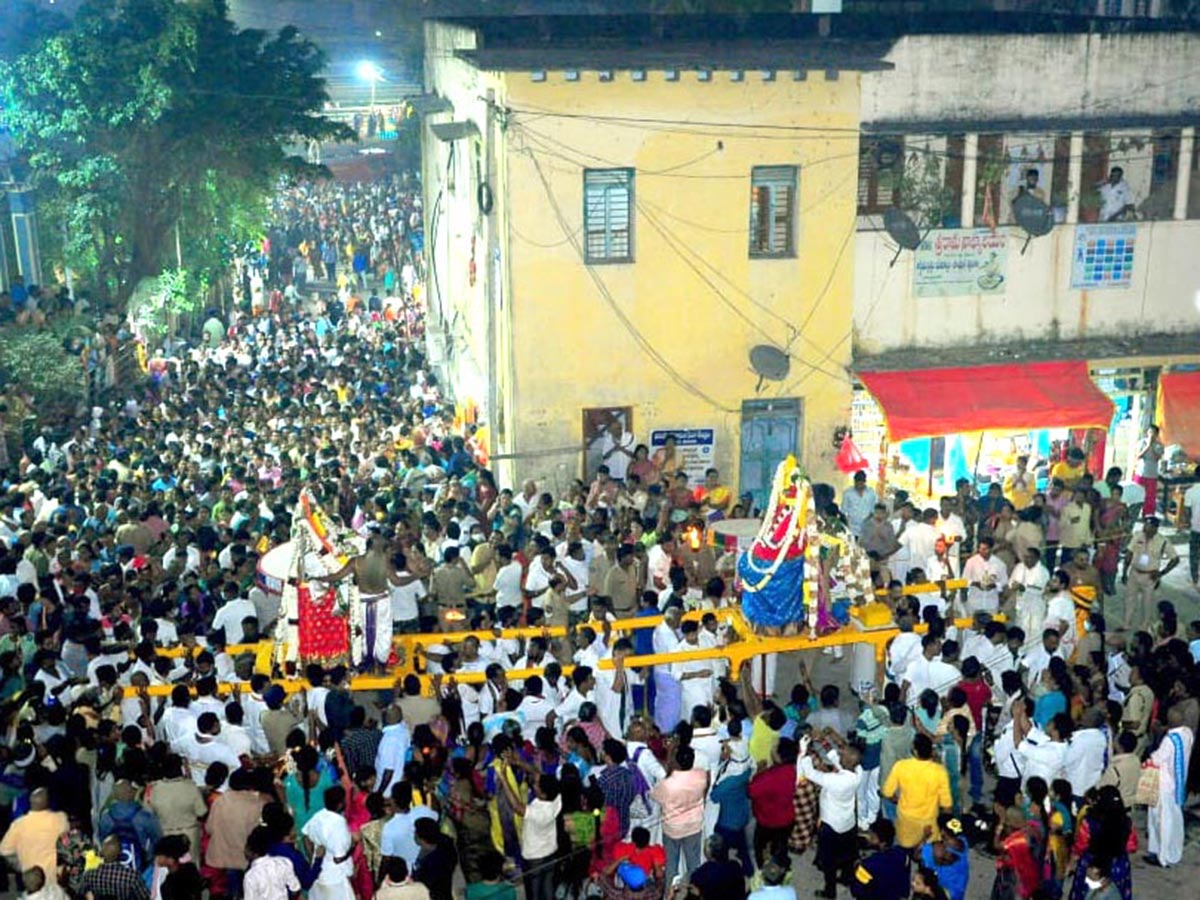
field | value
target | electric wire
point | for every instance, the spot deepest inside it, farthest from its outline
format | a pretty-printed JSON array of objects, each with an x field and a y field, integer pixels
[{"x": 640, "y": 339}]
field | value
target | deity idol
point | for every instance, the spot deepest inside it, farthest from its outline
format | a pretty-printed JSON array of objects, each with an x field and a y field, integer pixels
[{"x": 785, "y": 573}]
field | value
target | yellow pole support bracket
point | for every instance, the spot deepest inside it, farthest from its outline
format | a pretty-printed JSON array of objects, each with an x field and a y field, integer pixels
[{"x": 745, "y": 644}]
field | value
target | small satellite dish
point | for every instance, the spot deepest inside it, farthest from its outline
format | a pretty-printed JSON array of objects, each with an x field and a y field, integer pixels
[
  {"x": 902, "y": 229},
  {"x": 769, "y": 363},
  {"x": 1034, "y": 217}
]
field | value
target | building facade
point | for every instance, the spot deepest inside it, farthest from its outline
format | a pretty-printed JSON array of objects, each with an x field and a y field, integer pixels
[
  {"x": 1061, "y": 115},
  {"x": 612, "y": 229},
  {"x": 614, "y": 226}
]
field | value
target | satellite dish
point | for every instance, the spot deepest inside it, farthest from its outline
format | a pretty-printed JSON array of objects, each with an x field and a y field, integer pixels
[
  {"x": 1033, "y": 215},
  {"x": 902, "y": 229},
  {"x": 769, "y": 363}
]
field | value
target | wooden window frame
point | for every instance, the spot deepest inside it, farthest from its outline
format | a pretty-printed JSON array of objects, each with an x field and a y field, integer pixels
[{"x": 608, "y": 180}]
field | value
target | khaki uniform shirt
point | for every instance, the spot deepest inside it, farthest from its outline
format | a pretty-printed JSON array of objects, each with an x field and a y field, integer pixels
[
  {"x": 1149, "y": 554},
  {"x": 621, "y": 586}
]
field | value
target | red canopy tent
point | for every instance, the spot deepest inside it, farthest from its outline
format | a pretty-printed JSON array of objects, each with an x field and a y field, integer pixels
[
  {"x": 1179, "y": 409},
  {"x": 929, "y": 402}
]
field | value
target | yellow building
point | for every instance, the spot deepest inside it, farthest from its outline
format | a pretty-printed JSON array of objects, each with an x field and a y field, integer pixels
[{"x": 612, "y": 226}]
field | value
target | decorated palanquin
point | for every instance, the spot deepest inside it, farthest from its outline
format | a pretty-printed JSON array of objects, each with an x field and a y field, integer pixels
[
  {"x": 800, "y": 563},
  {"x": 320, "y": 622}
]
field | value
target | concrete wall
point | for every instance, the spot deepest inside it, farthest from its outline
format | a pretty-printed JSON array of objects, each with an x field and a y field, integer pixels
[
  {"x": 459, "y": 310},
  {"x": 572, "y": 350},
  {"x": 963, "y": 77},
  {"x": 1038, "y": 302}
]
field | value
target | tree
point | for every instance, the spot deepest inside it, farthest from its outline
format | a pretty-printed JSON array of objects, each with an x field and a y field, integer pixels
[{"x": 145, "y": 115}]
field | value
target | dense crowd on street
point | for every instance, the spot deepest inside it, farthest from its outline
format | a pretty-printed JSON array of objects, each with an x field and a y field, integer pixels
[{"x": 144, "y": 758}]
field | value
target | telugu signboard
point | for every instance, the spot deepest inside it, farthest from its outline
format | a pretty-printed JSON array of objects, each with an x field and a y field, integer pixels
[
  {"x": 956, "y": 263},
  {"x": 693, "y": 448},
  {"x": 1103, "y": 256}
]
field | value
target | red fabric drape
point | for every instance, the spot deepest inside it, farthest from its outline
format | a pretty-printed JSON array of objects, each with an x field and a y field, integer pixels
[
  {"x": 929, "y": 402},
  {"x": 1179, "y": 410}
]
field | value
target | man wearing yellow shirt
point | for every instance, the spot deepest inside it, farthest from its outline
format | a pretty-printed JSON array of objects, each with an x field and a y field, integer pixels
[
  {"x": 920, "y": 788},
  {"x": 1071, "y": 469},
  {"x": 1021, "y": 485}
]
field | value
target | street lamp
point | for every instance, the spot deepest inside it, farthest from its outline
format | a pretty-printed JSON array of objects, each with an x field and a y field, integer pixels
[{"x": 371, "y": 73}]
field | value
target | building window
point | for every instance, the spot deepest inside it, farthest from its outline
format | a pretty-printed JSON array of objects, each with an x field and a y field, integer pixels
[
  {"x": 608, "y": 215},
  {"x": 772, "y": 211},
  {"x": 880, "y": 167}
]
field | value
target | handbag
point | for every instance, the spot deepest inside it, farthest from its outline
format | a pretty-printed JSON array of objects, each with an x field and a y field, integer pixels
[{"x": 1147, "y": 786}]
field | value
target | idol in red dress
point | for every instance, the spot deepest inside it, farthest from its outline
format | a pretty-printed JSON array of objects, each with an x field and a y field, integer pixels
[{"x": 324, "y": 635}]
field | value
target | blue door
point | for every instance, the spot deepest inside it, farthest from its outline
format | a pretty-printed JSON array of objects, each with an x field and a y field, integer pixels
[{"x": 770, "y": 431}]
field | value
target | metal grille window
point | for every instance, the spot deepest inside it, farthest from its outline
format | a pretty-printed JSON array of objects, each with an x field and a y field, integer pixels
[
  {"x": 880, "y": 165},
  {"x": 608, "y": 215},
  {"x": 772, "y": 210}
]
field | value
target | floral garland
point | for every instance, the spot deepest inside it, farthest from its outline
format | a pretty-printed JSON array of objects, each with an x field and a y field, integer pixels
[{"x": 336, "y": 548}]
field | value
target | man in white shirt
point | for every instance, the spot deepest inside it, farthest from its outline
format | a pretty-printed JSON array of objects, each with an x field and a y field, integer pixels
[
  {"x": 1116, "y": 197},
  {"x": 1044, "y": 754},
  {"x": 1087, "y": 753},
  {"x": 177, "y": 721},
  {"x": 997, "y": 658},
  {"x": 1060, "y": 615},
  {"x": 1029, "y": 575},
  {"x": 616, "y": 449},
  {"x": 837, "y": 846},
  {"x": 920, "y": 538},
  {"x": 614, "y": 690},
  {"x": 986, "y": 574},
  {"x": 406, "y": 598},
  {"x": 203, "y": 748},
  {"x": 574, "y": 563},
  {"x": 583, "y": 684},
  {"x": 1036, "y": 659},
  {"x": 858, "y": 503},
  {"x": 928, "y": 671},
  {"x": 393, "y": 748},
  {"x": 652, "y": 770},
  {"x": 527, "y": 499},
  {"x": 668, "y": 709},
  {"x": 233, "y": 733},
  {"x": 507, "y": 585},
  {"x": 537, "y": 709},
  {"x": 658, "y": 563},
  {"x": 694, "y": 676},
  {"x": 951, "y": 527},
  {"x": 901, "y": 561},
  {"x": 328, "y": 829},
  {"x": 229, "y": 617},
  {"x": 904, "y": 648}
]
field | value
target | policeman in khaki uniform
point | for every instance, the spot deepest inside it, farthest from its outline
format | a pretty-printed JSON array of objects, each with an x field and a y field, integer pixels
[{"x": 1148, "y": 559}]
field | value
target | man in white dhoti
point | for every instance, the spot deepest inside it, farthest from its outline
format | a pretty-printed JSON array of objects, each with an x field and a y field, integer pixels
[
  {"x": 694, "y": 676},
  {"x": 1165, "y": 818},
  {"x": 667, "y": 709},
  {"x": 371, "y": 615},
  {"x": 328, "y": 829}
]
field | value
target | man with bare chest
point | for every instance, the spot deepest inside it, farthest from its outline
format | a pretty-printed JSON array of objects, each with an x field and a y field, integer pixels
[{"x": 373, "y": 573}]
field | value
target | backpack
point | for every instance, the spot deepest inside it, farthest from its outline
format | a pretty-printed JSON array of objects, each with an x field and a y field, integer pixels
[
  {"x": 133, "y": 851},
  {"x": 640, "y": 807}
]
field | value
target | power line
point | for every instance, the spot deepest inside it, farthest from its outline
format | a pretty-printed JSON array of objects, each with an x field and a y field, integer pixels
[
  {"x": 657, "y": 358},
  {"x": 684, "y": 252}
]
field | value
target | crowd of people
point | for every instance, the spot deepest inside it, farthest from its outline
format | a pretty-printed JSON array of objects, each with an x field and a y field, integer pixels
[{"x": 145, "y": 755}]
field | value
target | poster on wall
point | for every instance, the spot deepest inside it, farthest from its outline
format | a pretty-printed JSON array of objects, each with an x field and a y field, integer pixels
[
  {"x": 1103, "y": 256},
  {"x": 956, "y": 263},
  {"x": 694, "y": 449}
]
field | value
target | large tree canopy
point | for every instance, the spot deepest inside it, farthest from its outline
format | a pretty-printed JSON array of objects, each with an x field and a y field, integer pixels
[{"x": 142, "y": 115}]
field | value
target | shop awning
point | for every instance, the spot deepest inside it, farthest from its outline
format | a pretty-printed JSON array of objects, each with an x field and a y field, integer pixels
[
  {"x": 929, "y": 402},
  {"x": 1179, "y": 409}
]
